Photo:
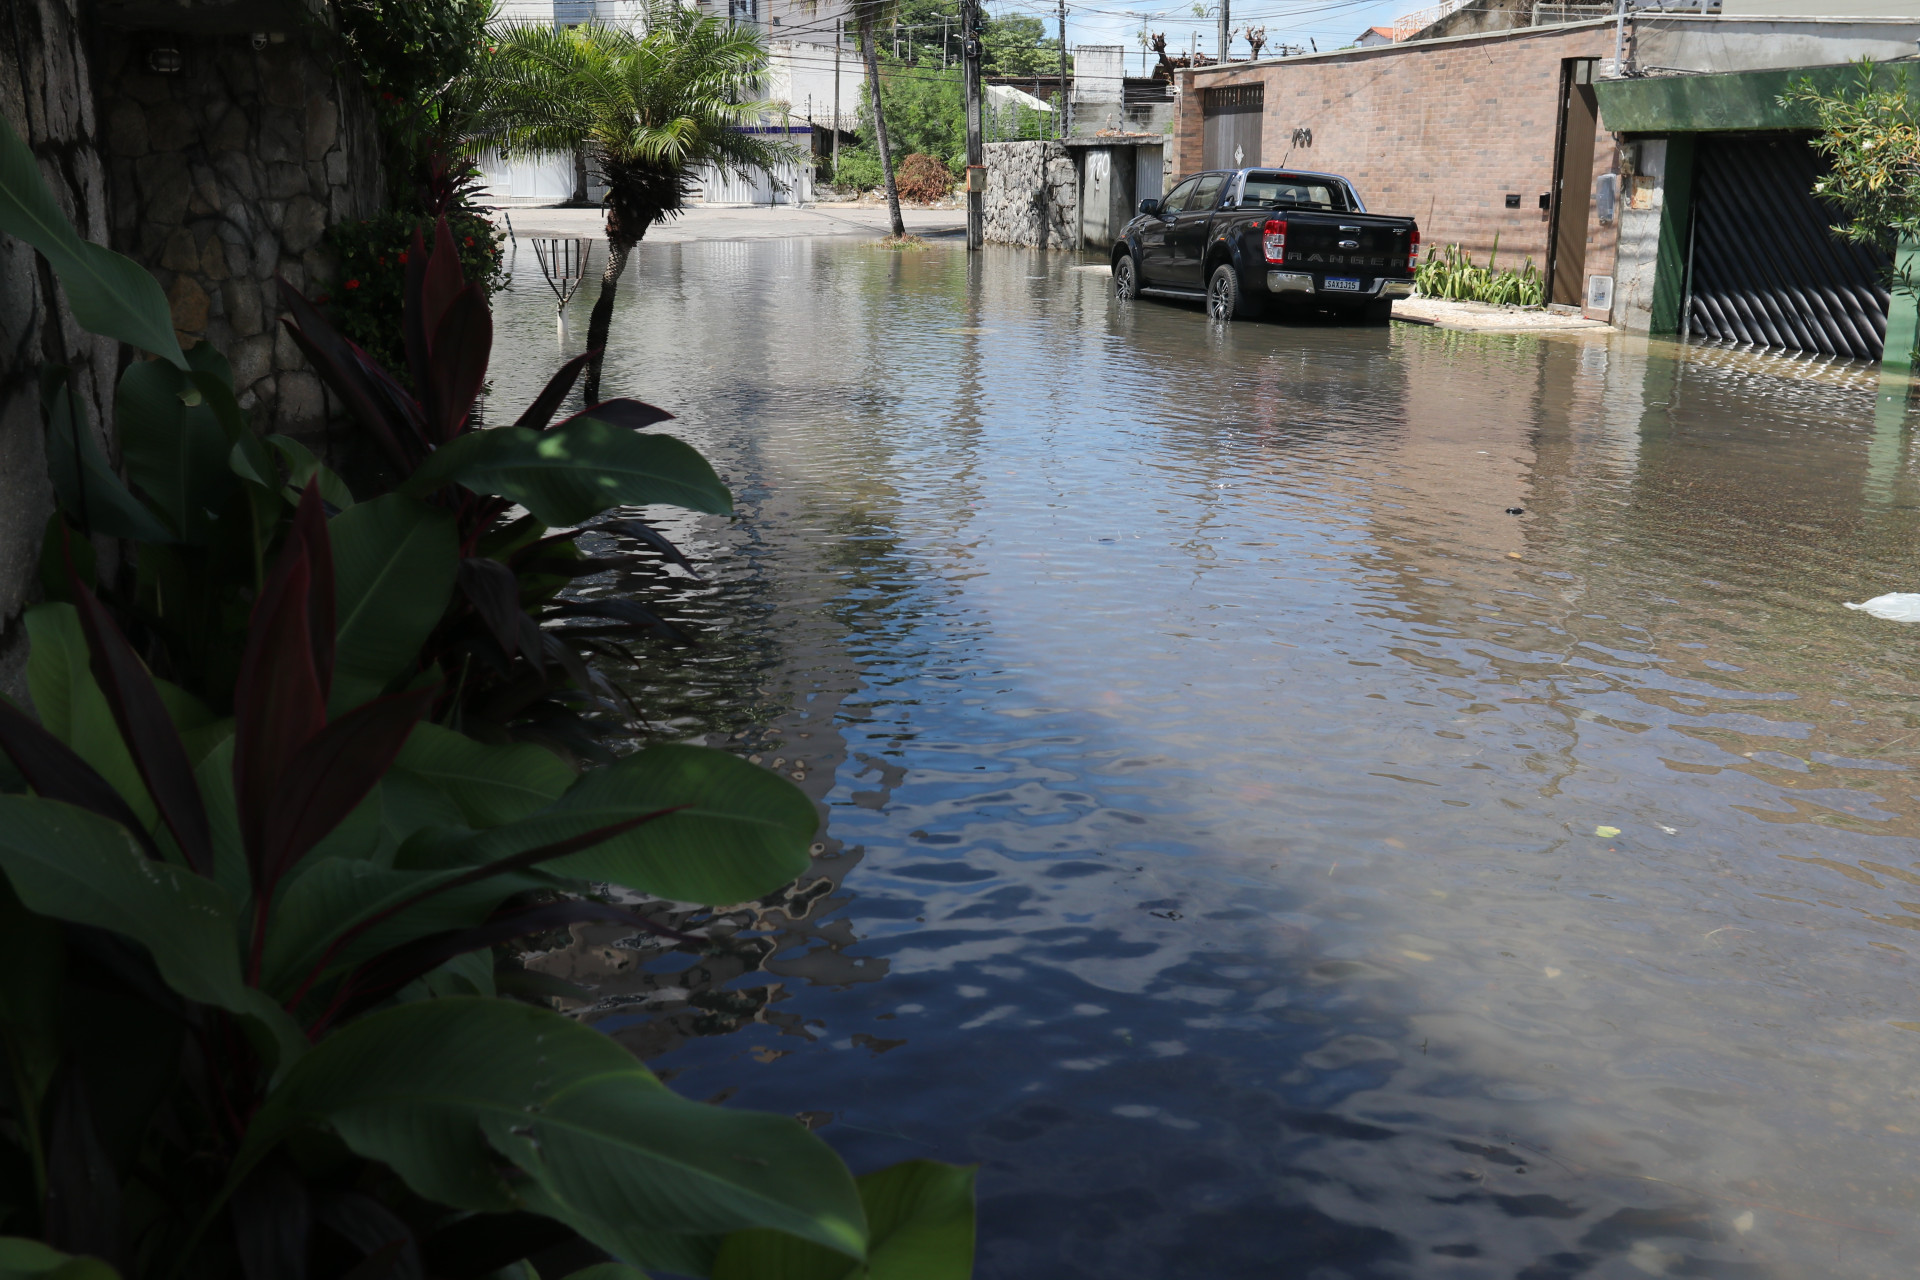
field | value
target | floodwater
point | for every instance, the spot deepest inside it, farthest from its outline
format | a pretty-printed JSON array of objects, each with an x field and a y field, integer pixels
[{"x": 1260, "y": 851}]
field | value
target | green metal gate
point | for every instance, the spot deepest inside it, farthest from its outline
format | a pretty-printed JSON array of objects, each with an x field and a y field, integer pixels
[{"x": 1765, "y": 269}]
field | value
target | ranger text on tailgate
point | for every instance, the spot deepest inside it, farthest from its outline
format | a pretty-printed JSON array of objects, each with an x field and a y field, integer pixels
[{"x": 1248, "y": 240}]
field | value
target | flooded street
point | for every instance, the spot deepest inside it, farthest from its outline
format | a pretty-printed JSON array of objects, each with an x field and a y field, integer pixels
[{"x": 1260, "y": 851}]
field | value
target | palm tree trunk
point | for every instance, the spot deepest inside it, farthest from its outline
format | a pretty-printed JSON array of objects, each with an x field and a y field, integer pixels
[
  {"x": 618, "y": 248},
  {"x": 880, "y": 129}
]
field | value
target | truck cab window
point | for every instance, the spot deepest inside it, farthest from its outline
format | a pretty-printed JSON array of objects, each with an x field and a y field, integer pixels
[
  {"x": 1306, "y": 191},
  {"x": 1177, "y": 199},
  {"x": 1208, "y": 192}
]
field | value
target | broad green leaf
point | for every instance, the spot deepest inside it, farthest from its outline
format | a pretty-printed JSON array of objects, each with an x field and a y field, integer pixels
[
  {"x": 469, "y": 974},
  {"x": 491, "y": 784},
  {"x": 608, "y": 1271},
  {"x": 920, "y": 1221},
  {"x": 575, "y": 472},
  {"x": 33, "y": 956},
  {"x": 109, "y": 294},
  {"x": 393, "y": 565},
  {"x": 302, "y": 466},
  {"x": 332, "y": 896},
  {"x": 214, "y": 776},
  {"x": 22, "y": 1259},
  {"x": 736, "y": 832},
  {"x": 175, "y": 451},
  {"x": 435, "y": 1088},
  {"x": 73, "y": 865},
  {"x": 71, "y": 706},
  {"x": 83, "y": 480}
]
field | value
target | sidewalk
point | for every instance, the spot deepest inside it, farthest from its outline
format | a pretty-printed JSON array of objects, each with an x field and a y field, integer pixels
[
  {"x": 1481, "y": 317},
  {"x": 741, "y": 222}
]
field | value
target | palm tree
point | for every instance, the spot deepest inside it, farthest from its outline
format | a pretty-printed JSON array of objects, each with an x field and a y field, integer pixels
[
  {"x": 647, "y": 109},
  {"x": 869, "y": 16}
]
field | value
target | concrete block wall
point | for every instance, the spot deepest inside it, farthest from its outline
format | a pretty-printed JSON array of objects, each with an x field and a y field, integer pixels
[
  {"x": 1441, "y": 131},
  {"x": 231, "y": 174},
  {"x": 1033, "y": 195}
]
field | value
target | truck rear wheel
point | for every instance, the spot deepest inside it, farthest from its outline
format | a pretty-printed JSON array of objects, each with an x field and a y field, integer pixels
[
  {"x": 1224, "y": 299},
  {"x": 1379, "y": 311},
  {"x": 1126, "y": 277}
]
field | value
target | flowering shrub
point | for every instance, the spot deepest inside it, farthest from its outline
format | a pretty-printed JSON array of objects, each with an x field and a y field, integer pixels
[
  {"x": 372, "y": 253},
  {"x": 922, "y": 178}
]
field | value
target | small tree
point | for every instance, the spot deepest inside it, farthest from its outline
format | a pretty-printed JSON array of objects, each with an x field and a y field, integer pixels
[
  {"x": 1871, "y": 133},
  {"x": 647, "y": 108}
]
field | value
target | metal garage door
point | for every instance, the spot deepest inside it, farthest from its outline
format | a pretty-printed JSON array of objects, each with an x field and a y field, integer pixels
[
  {"x": 1231, "y": 126},
  {"x": 1765, "y": 268}
]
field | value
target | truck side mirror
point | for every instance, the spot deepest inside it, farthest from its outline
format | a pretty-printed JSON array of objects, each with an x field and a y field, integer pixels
[{"x": 1149, "y": 207}]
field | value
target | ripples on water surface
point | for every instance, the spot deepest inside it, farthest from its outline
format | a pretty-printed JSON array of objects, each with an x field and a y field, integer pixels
[{"x": 1212, "y": 772}]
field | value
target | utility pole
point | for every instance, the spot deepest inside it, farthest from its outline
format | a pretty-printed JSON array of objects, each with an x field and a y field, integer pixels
[
  {"x": 971, "y": 22},
  {"x": 1226, "y": 33},
  {"x": 1060, "y": 108},
  {"x": 836, "y": 100}
]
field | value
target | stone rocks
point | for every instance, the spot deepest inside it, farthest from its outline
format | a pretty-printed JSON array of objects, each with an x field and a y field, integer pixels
[
  {"x": 223, "y": 177},
  {"x": 1032, "y": 195}
]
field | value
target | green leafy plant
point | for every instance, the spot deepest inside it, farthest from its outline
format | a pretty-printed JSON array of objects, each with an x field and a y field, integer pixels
[
  {"x": 282, "y": 922},
  {"x": 1449, "y": 272},
  {"x": 297, "y": 915},
  {"x": 859, "y": 170},
  {"x": 1871, "y": 136}
]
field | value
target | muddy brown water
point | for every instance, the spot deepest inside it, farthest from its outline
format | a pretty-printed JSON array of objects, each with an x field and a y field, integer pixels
[{"x": 1257, "y": 849}]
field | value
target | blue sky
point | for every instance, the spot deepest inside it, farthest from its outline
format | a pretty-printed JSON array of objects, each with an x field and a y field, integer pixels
[{"x": 1330, "y": 23}]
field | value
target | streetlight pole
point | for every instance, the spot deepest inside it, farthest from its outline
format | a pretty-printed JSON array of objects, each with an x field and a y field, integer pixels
[
  {"x": 971, "y": 22},
  {"x": 836, "y": 100},
  {"x": 1226, "y": 36},
  {"x": 1060, "y": 109}
]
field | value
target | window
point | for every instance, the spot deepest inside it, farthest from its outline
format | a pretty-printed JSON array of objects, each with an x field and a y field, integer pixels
[
  {"x": 1208, "y": 193},
  {"x": 1305, "y": 190},
  {"x": 1177, "y": 200}
]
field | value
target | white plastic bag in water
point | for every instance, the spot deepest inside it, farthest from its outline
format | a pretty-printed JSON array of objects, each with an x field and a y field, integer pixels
[{"x": 1901, "y": 606}]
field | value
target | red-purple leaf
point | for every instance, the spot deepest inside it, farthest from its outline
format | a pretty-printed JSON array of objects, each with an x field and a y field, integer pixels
[
  {"x": 462, "y": 342},
  {"x": 349, "y": 372},
  {"x": 277, "y": 702},
  {"x": 443, "y": 281},
  {"x": 413, "y": 318},
  {"x": 147, "y": 729},
  {"x": 494, "y": 592},
  {"x": 310, "y": 526},
  {"x": 631, "y": 414},
  {"x": 547, "y": 403},
  {"x": 54, "y": 770},
  {"x": 332, "y": 772},
  {"x": 652, "y": 537}
]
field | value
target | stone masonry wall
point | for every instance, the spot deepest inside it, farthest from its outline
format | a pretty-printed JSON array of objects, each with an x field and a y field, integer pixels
[
  {"x": 1032, "y": 195},
  {"x": 1440, "y": 132},
  {"x": 46, "y": 95},
  {"x": 228, "y": 175}
]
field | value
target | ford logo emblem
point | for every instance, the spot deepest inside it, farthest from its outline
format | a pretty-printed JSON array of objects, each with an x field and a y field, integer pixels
[{"x": 1349, "y": 244}]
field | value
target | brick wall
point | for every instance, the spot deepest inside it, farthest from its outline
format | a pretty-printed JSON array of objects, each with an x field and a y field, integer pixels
[{"x": 1440, "y": 131}]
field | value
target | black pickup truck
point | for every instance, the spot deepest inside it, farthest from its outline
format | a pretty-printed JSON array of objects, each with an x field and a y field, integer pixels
[{"x": 1247, "y": 240}]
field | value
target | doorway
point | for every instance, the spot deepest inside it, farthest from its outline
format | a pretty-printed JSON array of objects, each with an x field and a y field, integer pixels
[
  {"x": 1230, "y": 122},
  {"x": 1572, "y": 196}
]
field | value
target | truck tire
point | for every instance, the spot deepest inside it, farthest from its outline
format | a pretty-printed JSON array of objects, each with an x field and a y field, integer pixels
[
  {"x": 1126, "y": 277},
  {"x": 1224, "y": 298},
  {"x": 1379, "y": 311}
]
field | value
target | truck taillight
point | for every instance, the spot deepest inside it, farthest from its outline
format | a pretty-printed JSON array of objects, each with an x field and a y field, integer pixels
[
  {"x": 1413, "y": 250},
  {"x": 1275, "y": 240}
]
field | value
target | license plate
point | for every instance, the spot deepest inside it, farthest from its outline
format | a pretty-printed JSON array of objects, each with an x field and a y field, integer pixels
[{"x": 1343, "y": 283}]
